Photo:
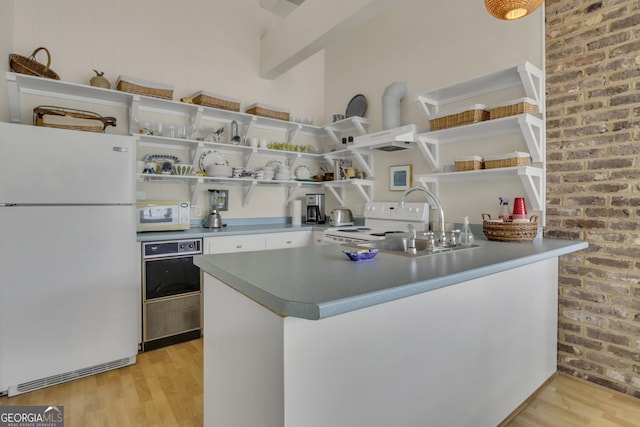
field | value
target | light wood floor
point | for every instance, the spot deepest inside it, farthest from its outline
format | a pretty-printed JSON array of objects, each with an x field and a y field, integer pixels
[{"x": 164, "y": 388}]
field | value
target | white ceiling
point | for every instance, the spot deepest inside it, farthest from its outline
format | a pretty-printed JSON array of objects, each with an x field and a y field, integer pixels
[
  {"x": 309, "y": 28},
  {"x": 280, "y": 7}
]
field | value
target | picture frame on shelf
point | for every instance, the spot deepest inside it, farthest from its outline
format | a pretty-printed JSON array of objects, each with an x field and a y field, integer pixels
[{"x": 400, "y": 177}]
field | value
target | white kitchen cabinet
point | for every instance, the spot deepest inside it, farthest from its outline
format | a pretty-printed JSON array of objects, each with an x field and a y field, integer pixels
[
  {"x": 227, "y": 244},
  {"x": 294, "y": 239},
  {"x": 317, "y": 239},
  {"x": 256, "y": 242},
  {"x": 531, "y": 127}
]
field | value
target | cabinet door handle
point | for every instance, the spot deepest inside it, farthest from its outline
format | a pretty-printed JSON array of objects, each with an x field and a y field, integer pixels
[
  {"x": 238, "y": 246},
  {"x": 288, "y": 242}
]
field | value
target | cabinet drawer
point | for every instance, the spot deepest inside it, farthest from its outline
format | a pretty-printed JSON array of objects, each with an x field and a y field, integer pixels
[
  {"x": 288, "y": 240},
  {"x": 219, "y": 245}
]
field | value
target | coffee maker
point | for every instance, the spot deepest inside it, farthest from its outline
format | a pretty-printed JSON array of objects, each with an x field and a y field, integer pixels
[{"x": 315, "y": 208}]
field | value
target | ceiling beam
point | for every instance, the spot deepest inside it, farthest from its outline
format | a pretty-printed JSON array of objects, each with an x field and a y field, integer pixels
[{"x": 311, "y": 27}]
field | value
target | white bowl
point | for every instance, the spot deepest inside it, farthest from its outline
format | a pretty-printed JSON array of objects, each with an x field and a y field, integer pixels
[
  {"x": 254, "y": 142},
  {"x": 264, "y": 143},
  {"x": 181, "y": 169}
]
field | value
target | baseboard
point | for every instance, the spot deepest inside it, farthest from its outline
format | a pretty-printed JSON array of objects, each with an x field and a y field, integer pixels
[{"x": 527, "y": 401}]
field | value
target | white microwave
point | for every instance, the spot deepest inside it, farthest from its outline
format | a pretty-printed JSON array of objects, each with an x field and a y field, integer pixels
[{"x": 162, "y": 215}]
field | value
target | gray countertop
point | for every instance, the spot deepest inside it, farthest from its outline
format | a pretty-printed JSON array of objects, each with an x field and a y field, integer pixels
[{"x": 320, "y": 281}]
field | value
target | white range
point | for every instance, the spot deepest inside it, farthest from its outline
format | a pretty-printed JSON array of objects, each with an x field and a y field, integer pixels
[{"x": 381, "y": 220}]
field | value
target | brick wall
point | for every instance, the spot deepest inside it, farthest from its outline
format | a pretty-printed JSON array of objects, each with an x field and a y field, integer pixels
[{"x": 593, "y": 185}]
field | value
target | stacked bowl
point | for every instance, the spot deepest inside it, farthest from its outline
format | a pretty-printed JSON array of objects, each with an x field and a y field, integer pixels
[
  {"x": 269, "y": 172},
  {"x": 283, "y": 173}
]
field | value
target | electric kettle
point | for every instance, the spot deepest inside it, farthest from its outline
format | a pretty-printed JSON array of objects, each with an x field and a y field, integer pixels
[{"x": 214, "y": 220}]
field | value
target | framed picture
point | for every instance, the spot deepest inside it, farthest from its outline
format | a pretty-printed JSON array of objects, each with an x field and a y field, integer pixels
[{"x": 400, "y": 178}]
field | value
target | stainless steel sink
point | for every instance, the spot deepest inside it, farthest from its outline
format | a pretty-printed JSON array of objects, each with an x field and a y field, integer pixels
[{"x": 398, "y": 246}]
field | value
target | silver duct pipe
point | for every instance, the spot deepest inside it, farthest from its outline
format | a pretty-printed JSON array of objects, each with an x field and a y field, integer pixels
[{"x": 391, "y": 98}]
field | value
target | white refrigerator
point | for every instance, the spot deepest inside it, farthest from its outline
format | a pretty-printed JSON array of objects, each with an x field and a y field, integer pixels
[{"x": 69, "y": 260}]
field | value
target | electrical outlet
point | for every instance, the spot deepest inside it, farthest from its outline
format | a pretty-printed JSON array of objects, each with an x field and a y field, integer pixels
[{"x": 196, "y": 211}]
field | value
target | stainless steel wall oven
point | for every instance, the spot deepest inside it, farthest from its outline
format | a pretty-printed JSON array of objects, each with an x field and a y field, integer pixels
[{"x": 171, "y": 293}]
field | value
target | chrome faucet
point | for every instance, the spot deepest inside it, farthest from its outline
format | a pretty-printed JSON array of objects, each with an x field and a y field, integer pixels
[
  {"x": 433, "y": 199},
  {"x": 411, "y": 244}
]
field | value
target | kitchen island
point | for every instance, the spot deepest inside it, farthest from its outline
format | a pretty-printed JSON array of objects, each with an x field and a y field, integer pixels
[{"x": 305, "y": 337}]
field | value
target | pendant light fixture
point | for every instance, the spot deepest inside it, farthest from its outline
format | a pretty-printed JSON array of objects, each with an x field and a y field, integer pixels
[{"x": 511, "y": 9}]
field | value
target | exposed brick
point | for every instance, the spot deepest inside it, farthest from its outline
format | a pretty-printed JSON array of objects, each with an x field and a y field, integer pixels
[
  {"x": 590, "y": 224},
  {"x": 623, "y": 174},
  {"x": 584, "y": 365},
  {"x": 571, "y": 327},
  {"x": 627, "y": 48},
  {"x": 606, "y": 383},
  {"x": 600, "y": 335},
  {"x": 626, "y": 74},
  {"x": 624, "y": 353},
  {"x": 625, "y": 150},
  {"x": 625, "y": 327},
  {"x": 610, "y": 288},
  {"x": 575, "y": 351},
  {"x": 586, "y": 201},
  {"x": 583, "y": 317},
  {"x": 583, "y": 295},
  {"x": 610, "y": 164},
  {"x": 587, "y": 154},
  {"x": 584, "y": 131},
  {"x": 607, "y": 237},
  {"x": 632, "y": 98},
  {"x": 607, "y": 212},
  {"x": 565, "y": 167},
  {"x": 585, "y": 177},
  {"x": 628, "y": 22},
  {"x": 609, "y": 91},
  {"x": 625, "y": 201},
  {"x": 580, "y": 270},
  {"x": 593, "y": 185},
  {"x": 608, "y": 187},
  {"x": 565, "y": 235},
  {"x": 604, "y": 359},
  {"x": 607, "y": 310}
]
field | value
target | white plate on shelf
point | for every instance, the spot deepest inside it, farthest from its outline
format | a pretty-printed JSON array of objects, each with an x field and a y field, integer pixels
[
  {"x": 273, "y": 164},
  {"x": 212, "y": 157},
  {"x": 302, "y": 172},
  {"x": 161, "y": 160}
]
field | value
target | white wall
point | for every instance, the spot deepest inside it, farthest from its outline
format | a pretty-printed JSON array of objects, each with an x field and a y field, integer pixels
[
  {"x": 214, "y": 45},
  {"x": 192, "y": 44},
  {"x": 428, "y": 44},
  {"x": 6, "y": 48}
]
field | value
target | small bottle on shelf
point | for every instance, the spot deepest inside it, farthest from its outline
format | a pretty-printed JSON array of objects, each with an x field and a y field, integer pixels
[
  {"x": 466, "y": 236},
  {"x": 505, "y": 214}
]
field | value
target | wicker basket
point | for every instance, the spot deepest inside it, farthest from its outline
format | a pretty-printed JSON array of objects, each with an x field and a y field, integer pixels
[
  {"x": 518, "y": 106},
  {"x": 266, "y": 111},
  {"x": 473, "y": 114},
  {"x": 23, "y": 65},
  {"x": 212, "y": 100},
  {"x": 468, "y": 163},
  {"x": 68, "y": 118},
  {"x": 507, "y": 160},
  {"x": 144, "y": 87},
  {"x": 510, "y": 231}
]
